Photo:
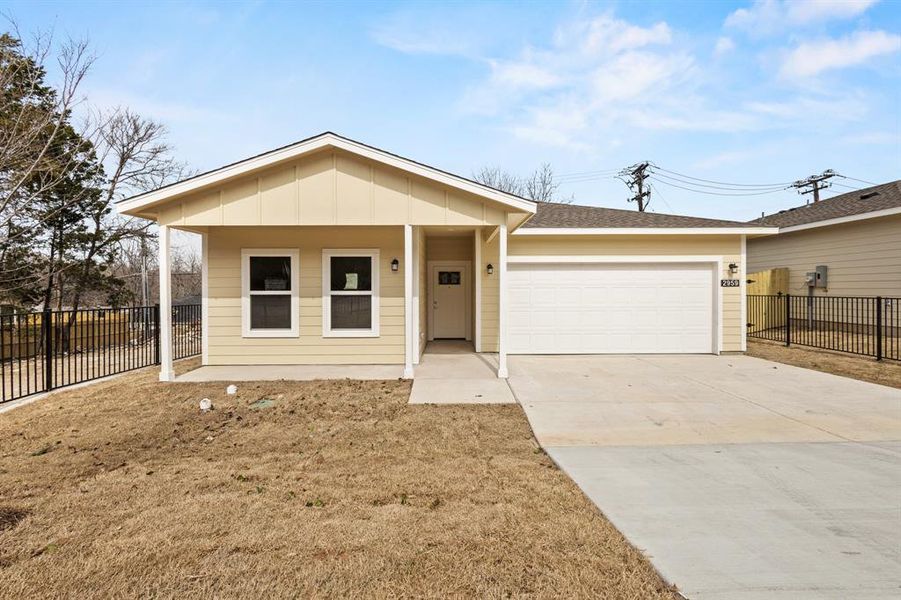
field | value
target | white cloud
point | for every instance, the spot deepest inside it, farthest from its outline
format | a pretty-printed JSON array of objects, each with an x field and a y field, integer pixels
[
  {"x": 523, "y": 75},
  {"x": 770, "y": 16},
  {"x": 724, "y": 45},
  {"x": 811, "y": 58}
]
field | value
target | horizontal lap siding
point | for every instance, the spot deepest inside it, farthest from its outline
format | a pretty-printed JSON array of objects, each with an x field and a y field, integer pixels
[
  {"x": 226, "y": 346},
  {"x": 728, "y": 247},
  {"x": 863, "y": 258}
]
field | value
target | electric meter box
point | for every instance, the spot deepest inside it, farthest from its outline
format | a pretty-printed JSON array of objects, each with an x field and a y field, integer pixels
[{"x": 816, "y": 278}]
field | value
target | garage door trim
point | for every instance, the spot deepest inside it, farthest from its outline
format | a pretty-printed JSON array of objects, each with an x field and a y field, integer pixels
[{"x": 715, "y": 262}]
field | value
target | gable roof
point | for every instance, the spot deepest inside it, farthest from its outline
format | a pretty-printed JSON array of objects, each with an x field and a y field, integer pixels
[
  {"x": 312, "y": 144},
  {"x": 860, "y": 203},
  {"x": 553, "y": 217}
]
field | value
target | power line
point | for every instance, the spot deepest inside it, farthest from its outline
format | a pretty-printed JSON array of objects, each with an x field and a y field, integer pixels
[
  {"x": 721, "y": 187},
  {"x": 855, "y": 179},
  {"x": 726, "y": 183},
  {"x": 757, "y": 193}
]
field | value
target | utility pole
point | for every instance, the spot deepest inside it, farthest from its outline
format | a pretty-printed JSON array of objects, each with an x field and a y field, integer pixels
[
  {"x": 634, "y": 177},
  {"x": 815, "y": 183}
]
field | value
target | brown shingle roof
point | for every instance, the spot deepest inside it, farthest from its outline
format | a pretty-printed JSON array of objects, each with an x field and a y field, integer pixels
[
  {"x": 574, "y": 216},
  {"x": 879, "y": 197}
]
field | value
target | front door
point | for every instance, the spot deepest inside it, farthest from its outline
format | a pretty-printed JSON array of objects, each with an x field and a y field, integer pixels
[{"x": 450, "y": 301}]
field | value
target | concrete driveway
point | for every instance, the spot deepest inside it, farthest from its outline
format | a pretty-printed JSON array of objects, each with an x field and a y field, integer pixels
[{"x": 739, "y": 477}]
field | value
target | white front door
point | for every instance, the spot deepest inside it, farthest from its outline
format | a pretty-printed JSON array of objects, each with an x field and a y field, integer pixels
[
  {"x": 450, "y": 300},
  {"x": 611, "y": 308}
]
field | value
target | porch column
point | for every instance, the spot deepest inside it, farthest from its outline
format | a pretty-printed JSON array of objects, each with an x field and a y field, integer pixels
[
  {"x": 165, "y": 265},
  {"x": 408, "y": 302},
  {"x": 502, "y": 301}
]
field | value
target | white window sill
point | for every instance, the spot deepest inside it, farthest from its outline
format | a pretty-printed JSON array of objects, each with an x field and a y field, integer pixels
[
  {"x": 350, "y": 333},
  {"x": 271, "y": 333}
]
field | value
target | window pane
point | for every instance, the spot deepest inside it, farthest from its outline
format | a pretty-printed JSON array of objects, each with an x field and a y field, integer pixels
[
  {"x": 351, "y": 273},
  {"x": 270, "y": 312},
  {"x": 270, "y": 273},
  {"x": 351, "y": 312},
  {"x": 448, "y": 277}
]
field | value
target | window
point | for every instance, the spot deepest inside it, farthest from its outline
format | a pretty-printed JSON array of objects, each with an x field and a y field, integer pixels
[
  {"x": 269, "y": 299},
  {"x": 350, "y": 293}
]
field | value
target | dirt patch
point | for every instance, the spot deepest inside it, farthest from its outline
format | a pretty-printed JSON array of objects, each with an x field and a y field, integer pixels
[
  {"x": 10, "y": 517},
  {"x": 308, "y": 489},
  {"x": 884, "y": 372}
]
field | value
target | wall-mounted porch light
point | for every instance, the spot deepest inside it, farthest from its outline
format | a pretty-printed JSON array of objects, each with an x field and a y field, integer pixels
[
  {"x": 490, "y": 269},
  {"x": 733, "y": 268},
  {"x": 395, "y": 265}
]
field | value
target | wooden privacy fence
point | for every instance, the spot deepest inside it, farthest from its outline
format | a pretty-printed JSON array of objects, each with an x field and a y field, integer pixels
[{"x": 42, "y": 351}]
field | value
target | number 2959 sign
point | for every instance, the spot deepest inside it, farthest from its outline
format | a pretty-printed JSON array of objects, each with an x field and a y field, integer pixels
[{"x": 730, "y": 282}]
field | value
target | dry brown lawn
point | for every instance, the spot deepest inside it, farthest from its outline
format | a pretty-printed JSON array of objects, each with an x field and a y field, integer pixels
[
  {"x": 885, "y": 372},
  {"x": 318, "y": 489}
]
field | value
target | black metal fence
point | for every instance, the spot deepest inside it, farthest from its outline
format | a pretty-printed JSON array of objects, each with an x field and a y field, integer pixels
[
  {"x": 43, "y": 351},
  {"x": 868, "y": 326}
]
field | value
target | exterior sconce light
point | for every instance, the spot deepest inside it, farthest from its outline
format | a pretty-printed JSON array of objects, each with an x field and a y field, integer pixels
[
  {"x": 395, "y": 265},
  {"x": 490, "y": 269},
  {"x": 733, "y": 268}
]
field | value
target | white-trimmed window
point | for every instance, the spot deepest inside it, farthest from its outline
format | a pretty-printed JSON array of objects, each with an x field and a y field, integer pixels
[
  {"x": 270, "y": 292},
  {"x": 350, "y": 293}
]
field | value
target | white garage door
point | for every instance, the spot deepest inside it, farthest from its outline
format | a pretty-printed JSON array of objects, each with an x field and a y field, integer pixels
[{"x": 610, "y": 308}]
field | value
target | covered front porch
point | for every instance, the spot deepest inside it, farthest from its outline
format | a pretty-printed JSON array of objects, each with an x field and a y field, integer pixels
[{"x": 447, "y": 304}]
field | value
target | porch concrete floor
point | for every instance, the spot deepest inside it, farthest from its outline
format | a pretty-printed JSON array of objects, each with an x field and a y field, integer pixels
[
  {"x": 232, "y": 373},
  {"x": 450, "y": 372}
]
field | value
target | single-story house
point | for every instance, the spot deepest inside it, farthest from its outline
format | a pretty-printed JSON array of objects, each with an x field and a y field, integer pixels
[
  {"x": 856, "y": 236},
  {"x": 329, "y": 251}
]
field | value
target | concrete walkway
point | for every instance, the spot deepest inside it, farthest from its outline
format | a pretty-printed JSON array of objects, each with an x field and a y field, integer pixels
[
  {"x": 451, "y": 373},
  {"x": 740, "y": 478}
]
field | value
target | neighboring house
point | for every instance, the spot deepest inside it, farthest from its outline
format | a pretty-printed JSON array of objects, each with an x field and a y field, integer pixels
[
  {"x": 329, "y": 251},
  {"x": 856, "y": 236}
]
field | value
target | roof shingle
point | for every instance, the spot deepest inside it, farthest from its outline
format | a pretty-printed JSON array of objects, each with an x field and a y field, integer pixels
[
  {"x": 878, "y": 197},
  {"x": 575, "y": 216}
]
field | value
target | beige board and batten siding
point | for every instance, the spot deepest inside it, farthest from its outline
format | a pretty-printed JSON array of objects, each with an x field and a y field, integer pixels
[
  {"x": 228, "y": 347},
  {"x": 863, "y": 258},
  {"x": 726, "y": 246},
  {"x": 330, "y": 188}
]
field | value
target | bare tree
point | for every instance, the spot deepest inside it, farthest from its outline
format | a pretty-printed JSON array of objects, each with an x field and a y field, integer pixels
[{"x": 540, "y": 186}]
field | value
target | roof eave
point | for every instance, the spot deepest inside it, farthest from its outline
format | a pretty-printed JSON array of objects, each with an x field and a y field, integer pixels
[
  {"x": 886, "y": 212},
  {"x": 647, "y": 231},
  {"x": 131, "y": 206}
]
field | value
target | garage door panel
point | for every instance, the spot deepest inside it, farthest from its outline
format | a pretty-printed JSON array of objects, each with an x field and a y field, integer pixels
[{"x": 610, "y": 308}]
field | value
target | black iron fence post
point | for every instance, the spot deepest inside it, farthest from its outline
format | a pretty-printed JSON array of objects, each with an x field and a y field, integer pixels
[
  {"x": 47, "y": 325},
  {"x": 878, "y": 327},
  {"x": 788, "y": 319},
  {"x": 156, "y": 333}
]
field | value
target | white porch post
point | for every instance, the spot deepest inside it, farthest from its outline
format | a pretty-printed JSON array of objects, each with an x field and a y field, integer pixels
[
  {"x": 502, "y": 302},
  {"x": 204, "y": 300},
  {"x": 165, "y": 264},
  {"x": 477, "y": 278},
  {"x": 408, "y": 302}
]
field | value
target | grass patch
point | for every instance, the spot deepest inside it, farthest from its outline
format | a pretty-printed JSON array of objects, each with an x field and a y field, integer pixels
[
  {"x": 338, "y": 488},
  {"x": 864, "y": 368}
]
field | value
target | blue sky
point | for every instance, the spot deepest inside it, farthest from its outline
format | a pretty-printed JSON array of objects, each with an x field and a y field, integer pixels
[{"x": 751, "y": 92}]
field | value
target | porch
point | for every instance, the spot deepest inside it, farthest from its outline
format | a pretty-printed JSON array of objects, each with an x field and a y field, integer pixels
[{"x": 432, "y": 288}]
